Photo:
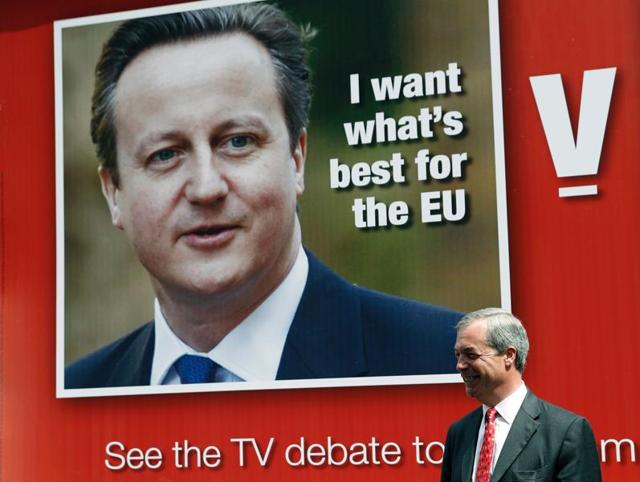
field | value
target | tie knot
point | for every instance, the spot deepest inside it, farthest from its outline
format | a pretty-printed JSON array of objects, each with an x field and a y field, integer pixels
[
  {"x": 491, "y": 414},
  {"x": 195, "y": 369}
]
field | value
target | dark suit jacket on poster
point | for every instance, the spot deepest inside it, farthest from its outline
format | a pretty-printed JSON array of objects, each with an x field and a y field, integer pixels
[
  {"x": 339, "y": 330},
  {"x": 545, "y": 443}
]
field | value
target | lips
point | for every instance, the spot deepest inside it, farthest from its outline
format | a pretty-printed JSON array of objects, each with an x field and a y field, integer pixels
[
  {"x": 209, "y": 231},
  {"x": 468, "y": 378},
  {"x": 209, "y": 236}
]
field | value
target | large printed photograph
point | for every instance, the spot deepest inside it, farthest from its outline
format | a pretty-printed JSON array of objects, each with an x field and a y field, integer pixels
[{"x": 267, "y": 195}]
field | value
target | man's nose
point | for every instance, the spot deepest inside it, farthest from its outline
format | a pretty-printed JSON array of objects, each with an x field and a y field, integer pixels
[
  {"x": 461, "y": 364},
  {"x": 206, "y": 180}
]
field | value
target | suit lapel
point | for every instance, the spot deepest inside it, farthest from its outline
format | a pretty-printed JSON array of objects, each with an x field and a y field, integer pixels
[
  {"x": 134, "y": 366},
  {"x": 469, "y": 448},
  {"x": 524, "y": 426},
  {"x": 325, "y": 339}
]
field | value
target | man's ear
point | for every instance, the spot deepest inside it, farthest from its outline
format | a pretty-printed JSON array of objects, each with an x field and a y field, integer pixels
[
  {"x": 110, "y": 193},
  {"x": 510, "y": 357},
  {"x": 299, "y": 157}
]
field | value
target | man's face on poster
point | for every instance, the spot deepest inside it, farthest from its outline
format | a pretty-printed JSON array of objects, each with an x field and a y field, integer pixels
[{"x": 208, "y": 180}]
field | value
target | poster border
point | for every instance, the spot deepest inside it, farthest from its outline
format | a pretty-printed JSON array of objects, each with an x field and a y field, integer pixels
[{"x": 501, "y": 203}]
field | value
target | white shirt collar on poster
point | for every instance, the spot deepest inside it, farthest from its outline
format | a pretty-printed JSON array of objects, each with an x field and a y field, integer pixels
[{"x": 252, "y": 350}]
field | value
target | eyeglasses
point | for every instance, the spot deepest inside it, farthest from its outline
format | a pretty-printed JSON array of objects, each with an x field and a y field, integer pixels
[{"x": 470, "y": 356}]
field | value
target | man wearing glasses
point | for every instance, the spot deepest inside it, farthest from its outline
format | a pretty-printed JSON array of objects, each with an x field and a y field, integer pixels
[{"x": 514, "y": 435}]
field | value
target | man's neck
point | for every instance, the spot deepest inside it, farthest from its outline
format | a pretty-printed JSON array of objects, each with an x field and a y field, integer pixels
[{"x": 503, "y": 391}]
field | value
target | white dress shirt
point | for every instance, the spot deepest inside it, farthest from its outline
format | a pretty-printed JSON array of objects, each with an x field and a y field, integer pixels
[
  {"x": 507, "y": 410},
  {"x": 252, "y": 350}
]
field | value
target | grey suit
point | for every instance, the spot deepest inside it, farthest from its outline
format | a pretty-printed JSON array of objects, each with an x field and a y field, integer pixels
[{"x": 545, "y": 443}]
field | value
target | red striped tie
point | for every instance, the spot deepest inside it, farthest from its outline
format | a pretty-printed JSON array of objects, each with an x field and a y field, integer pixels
[{"x": 483, "y": 472}]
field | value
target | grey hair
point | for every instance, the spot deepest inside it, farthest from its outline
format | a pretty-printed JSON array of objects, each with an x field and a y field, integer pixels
[{"x": 503, "y": 330}]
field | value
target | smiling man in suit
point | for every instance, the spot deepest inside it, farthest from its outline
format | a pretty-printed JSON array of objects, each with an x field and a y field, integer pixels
[
  {"x": 514, "y": 435},
  {"x": 200, "y": 119}
]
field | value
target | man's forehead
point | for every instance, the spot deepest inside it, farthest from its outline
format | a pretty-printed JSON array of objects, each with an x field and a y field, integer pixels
[
  {"x": 209, "y": 56},
  {"x": 472, "y": 335}
]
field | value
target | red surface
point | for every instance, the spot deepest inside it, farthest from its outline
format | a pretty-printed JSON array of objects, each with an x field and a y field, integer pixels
[{"x": 575, "y": 268}]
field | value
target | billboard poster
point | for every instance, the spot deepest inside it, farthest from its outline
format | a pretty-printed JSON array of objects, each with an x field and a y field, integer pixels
[
  {"x": 402, "y": 191},
  {"x": 334, "y": 251}
]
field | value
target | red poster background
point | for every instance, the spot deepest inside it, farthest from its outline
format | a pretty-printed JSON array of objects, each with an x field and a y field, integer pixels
[{"x": 575, "y": 277}]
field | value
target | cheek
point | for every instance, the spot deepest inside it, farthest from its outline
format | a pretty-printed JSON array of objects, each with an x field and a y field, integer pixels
[
  {"x": 273, "y": 195},
  {"x": 273, "y": 212},
  {"x": 143, "y": 214}
]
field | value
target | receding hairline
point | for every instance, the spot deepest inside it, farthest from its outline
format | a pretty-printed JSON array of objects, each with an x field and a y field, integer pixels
[
  {"x": 143, "y": 55},
  {"x": 200, "y": 38}
]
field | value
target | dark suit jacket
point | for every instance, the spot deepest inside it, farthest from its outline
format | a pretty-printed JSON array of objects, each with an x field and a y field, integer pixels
[
  {"x": 545, "y": 443},
  {"x": 339, "y": 330}
]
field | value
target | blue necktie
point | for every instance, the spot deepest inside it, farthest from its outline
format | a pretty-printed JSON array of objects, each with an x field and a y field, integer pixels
[{"x": 195, "y": 369}]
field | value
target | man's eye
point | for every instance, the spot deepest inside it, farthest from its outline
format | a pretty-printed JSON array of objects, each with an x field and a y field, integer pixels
[
  {"x": 239, "y": 142},
  {"x": 164, "y": 155}
]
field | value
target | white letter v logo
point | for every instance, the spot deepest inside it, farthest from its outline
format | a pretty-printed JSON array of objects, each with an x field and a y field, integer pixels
[{"x": 582, "y": 157}]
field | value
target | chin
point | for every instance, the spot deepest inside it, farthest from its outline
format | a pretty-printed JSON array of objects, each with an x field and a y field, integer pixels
[
  {"x": 472, "y": 392},
  {"x": 196, "y": 283},
  {"x": 210, "y": 285}
]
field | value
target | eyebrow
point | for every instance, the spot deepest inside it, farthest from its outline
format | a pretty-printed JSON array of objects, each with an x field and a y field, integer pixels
[
  {"x": 464, "y": 348},
  {"x": 243, "y": 121}
]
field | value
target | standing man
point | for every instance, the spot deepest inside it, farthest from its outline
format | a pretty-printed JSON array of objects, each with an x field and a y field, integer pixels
[{"x": 514, "y": 435}]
